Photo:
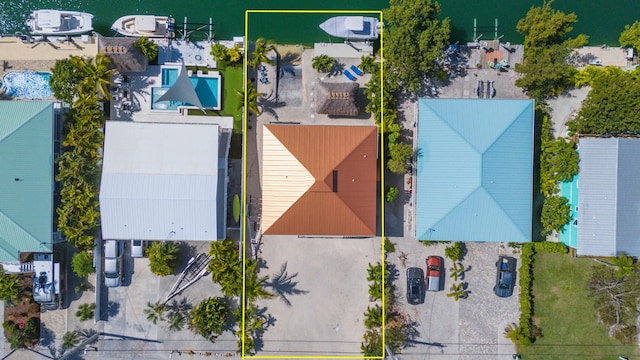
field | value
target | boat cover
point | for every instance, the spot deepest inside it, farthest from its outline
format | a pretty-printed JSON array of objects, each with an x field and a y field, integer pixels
[
  {"x": 354, "y": 23},
  {"x": 48, "y": 19},
  {"x": 146, "y": 23}
]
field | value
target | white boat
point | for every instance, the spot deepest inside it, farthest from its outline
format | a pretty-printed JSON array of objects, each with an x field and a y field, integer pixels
[
  {"x": 352, "y": 27},
  {"x": 144, "y": 25},
  {"x": 59, "y": 22}
]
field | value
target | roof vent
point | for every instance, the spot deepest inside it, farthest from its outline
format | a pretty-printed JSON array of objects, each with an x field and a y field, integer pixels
[{"x": 335, "y": 180}]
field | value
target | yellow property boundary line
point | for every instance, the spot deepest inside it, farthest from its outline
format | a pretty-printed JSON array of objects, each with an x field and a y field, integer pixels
[{"x": 244, "y": 176}]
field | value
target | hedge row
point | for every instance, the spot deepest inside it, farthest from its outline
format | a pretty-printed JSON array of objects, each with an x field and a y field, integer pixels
[{"x": 526, "y": 299}]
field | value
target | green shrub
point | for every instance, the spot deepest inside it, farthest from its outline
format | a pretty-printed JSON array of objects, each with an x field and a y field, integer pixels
[
  {"x": 147, "y": 47},
  {"x": 428, "y": 243},
  {"x": 454, "y": 252},
  {"x": 525, "y": 326},
  {"x": 551, "y": 247},
  {"x": 85, "y": 311},
  {"x": 389, "y": 247},
  {"x": 163, "y": 257},
  {"x": 392, "y": 193},
  {"x": 82, "y": 264}
]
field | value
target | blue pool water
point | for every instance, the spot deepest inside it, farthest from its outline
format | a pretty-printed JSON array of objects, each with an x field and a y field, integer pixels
[
  {"x": 169, "y": 76},
  {"x": 27, "y": 84},
  {"x": 206, "y": 88}
]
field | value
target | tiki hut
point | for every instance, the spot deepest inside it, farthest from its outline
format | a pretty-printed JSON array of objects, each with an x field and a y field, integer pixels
[
  {"x": 337, "y": 99},
  {"x": 123, "y": 55}
]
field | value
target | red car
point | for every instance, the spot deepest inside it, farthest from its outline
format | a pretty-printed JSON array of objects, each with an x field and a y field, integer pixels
[{"x": 434, "y": 273}]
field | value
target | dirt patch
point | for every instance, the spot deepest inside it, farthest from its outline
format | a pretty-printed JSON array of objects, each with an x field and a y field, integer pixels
[{"x": 554, "y": 290}]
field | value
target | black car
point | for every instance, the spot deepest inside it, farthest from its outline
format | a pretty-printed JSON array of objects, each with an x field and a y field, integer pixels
[
  {"x": 415, "y": 285},
  {"x": 506, "y": 276}
]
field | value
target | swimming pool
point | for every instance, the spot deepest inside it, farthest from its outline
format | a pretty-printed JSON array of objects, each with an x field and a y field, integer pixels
[
  {"x": 207, "y": 88},
  {"x": 27, "y": 84}
]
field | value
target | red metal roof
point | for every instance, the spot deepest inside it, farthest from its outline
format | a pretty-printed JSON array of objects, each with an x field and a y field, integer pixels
[{"x": 342, "y": 160}]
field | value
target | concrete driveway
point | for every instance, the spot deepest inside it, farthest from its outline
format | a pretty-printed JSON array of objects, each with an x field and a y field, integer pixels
[
  {"x": 322, "y": 294},
  {"x": 470, "y": 328}
]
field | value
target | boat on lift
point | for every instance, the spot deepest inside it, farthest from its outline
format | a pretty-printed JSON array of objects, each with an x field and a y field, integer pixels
[
  {"x": 59, "y": 22},
  {"x": 352, "y": 27},
  {"x": 152, "y": 26}
]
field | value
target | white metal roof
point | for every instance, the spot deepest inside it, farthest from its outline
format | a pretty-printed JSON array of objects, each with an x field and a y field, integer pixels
[{"x": 159, "y": 181}]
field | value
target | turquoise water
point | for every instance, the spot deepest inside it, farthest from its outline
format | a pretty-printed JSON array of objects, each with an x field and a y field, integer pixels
[
  {"x": 602, "y": 20},
  {"x": 207, "y": 89},
  {"x": 169, "y": 76}
]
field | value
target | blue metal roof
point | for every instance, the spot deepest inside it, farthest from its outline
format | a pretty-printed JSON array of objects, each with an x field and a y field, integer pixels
[
  {"x": 475, "y": 170},
  {"x": 26, "y": 184}
]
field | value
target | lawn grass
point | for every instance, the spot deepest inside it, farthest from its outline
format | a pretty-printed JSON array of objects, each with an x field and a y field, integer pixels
[
  {"x": 566, "y": 313},
  {"x": 231, "y": 102}
]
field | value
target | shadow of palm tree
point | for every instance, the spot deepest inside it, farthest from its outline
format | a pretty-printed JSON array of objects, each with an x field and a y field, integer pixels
[
  {"x": 268, "y": 104},
  {"x": 337, "y": 69},
  {"x": 283, "y": 285},
  {"x": 289, "y": 58}
]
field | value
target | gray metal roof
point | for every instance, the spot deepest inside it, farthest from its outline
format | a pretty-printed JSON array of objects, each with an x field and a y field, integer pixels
[
  {"x": 609, "y": 202},
  {"x": 160, "y": 182}
]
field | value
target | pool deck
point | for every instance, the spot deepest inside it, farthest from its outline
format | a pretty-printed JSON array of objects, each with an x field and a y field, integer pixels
[
  {"x": 139, "y": 95},
  {"x": 41, "y": 56},
  {"x": 191, "y": 53}
]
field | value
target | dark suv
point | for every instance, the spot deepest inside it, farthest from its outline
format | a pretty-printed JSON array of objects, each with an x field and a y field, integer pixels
[
  {"x": 415, "y": 285},
  {"x": 505, "y": 277}
]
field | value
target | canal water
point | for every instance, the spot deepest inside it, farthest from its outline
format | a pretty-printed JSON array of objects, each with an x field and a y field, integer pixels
[{"x": 601, "y": 20}]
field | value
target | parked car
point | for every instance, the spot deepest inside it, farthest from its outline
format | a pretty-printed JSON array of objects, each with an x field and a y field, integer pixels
[
  {"x": 434, "y": 272},
  {"x": 113, "y": 250},
  {"x": 137, "y": 249},
  {"x": 506, "y": 276},
  {"x": 415, "y": 285}
]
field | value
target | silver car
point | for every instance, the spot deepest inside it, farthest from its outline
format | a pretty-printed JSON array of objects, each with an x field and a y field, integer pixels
[
  {"x": 137, "y": 249},
  {"x": 113, "y": 250}
]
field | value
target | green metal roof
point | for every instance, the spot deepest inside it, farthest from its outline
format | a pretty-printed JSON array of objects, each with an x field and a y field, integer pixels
[{"x": 26, "y": 177}]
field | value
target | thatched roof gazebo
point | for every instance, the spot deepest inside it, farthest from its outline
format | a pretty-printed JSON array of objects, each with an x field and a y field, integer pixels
[
  {"x": 123, "y": 55},
  {"x": 337, "y": 99}
]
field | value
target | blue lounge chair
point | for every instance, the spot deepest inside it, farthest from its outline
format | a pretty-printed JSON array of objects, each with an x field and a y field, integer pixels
[
  {"x": 356, "y": 70},
  {"x": 349, "y": 75}
]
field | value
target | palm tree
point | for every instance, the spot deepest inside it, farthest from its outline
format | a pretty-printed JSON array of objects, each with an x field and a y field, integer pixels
[
  {"x": 176, "y": 321},
  {"x": 154, "y": 312},
  {"x": 457, "y": 291},
  {"x": 254, "y": 285},
  {"x": 70, "y": 339},
  {"x": 85, "y": 311},
  {"x": 323, "y": 63},
  {"x": 259, "y": 55},
  {"x": 624, "y": 265},
  {"x": 456, "y": 271},
  {"x": 147, "y": 47},
  {"x": 368, "y": 64},
  {"x": 373, "y": 317},
  {"x": 252, "y": 98},
  {"x": 97, "y": 75},
  {"x": 163, "y": 257}
]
